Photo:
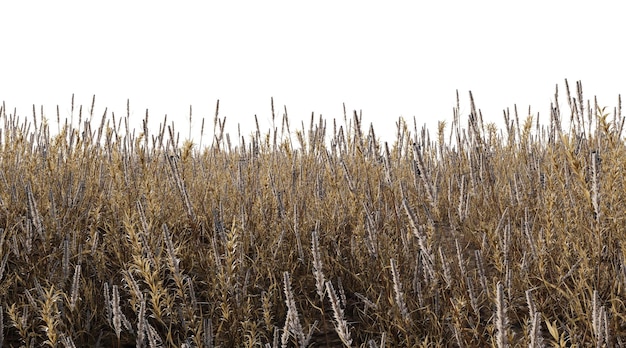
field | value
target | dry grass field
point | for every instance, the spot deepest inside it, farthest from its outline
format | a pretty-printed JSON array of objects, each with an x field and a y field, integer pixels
[{"x": 316, "y": 235}]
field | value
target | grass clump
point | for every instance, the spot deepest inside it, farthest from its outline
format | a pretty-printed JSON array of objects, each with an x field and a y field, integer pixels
[{"x": 478, "y": 237}]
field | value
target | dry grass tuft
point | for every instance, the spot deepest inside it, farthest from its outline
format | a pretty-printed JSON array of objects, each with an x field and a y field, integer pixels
[{"x": 477, "y": 236}]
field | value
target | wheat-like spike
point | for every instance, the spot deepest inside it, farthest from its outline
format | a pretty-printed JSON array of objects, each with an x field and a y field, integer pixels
[
  {"x": 141, "y": 324},
  {"x": 27, "y": 239},
  {"x": 431, "y": 191},
  {"x": 532, "y": 309},
  {"x": 68, "y": 342},
  {"x": 30, "y": 298},
  {"x": 601, "y": 337},
  {"x": 117, "y": 312},
  {"x": 309, "y": 336},
  {"x": 472, "y": 295},
  {"x": 20, "y": 321},
  {"x": 3, "y": 232},
  {"x": 456, "y": 331},
  {"x": 463, "y": 200},
  {"x": 232, "y": 261},
  {"x": 66, "y": 258},
  {"x": 536, "y": 339},
  {"x": 342, "y": 293},
  {"x": 216, "y": 254},
  {"x": 506, "y": 243},
  {"x": 3, "y": 265},
  {"x": 421, "y": 239},
  {"x": 481, "y": 270},
  {"x": 296, "y": 232},
  {"x": 50, "y": 315},
  {"x": 284, "y": 337},
  {"x": 207, "y": 332},
  {"x": 508, "y": 280},
  {"x": 595, "y": 314},
  {"x": 94, "y": 243},
  {"x": 142, "y": 216},
  {"x": 341, "y": 325},
  {"x": 173, "y": 260},
  {"x": 134, "y": 286},
  {"x": 15, "y": 246},
  {"x": 1, "y": 326},
  {"x": 292, "y": 323},
  {"x": 347, "y": 176},
  {"x": 366, "y": 301},
  {"x": 147, "y": 250},
  {"x": 447, "y": 273},
  {"x": 276, "y": 337},
  {"x": 502, "y": 324},
  {"x": 459, "y": 256},
  {"x": 107, "y": 304},
  {"x": 34, "y": 213},
  {"x": 181, "y": 188},
  {"x": 529, "y": 235},
  {"x": 371, "y": 236},
  {"x": 417, "y": 284},
  {"x": 75, "y": 287},
  {"x": 399, "y": 295},
  {"x": 266, "y": 306},
  {"x": 317, "y": 264},
  {"x": 154, "y": 340},
  {"x": 595, "y": 184},
  {"x": 531, "y": 240},
  {"x": 606, "y": 327},
  {"x": 192, "y": 294},
  {"x": 144, "y": 232}
]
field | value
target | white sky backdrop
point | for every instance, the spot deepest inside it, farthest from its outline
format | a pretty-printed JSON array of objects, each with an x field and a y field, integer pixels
[{"x": 388, "y": 59}]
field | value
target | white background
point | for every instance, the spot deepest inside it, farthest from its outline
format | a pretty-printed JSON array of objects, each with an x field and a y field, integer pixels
[{"x": 388, "y": 59}]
